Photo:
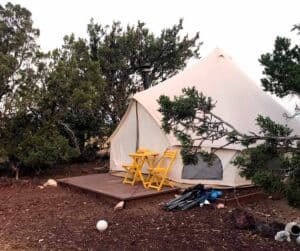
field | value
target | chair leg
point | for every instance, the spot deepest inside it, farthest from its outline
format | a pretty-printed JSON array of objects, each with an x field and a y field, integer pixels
[
  {"x": 130, "y": 177},
  {"x": 157, "y": 181},
  {"x": 126, "y": 179}
]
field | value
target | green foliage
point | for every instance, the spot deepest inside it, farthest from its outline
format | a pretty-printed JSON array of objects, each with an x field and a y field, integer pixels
[
  {"x": 263, "y": 165},
  {"x": 45, "y": 147},
  {"x": 29, "y": 133},
  {"x": 270, "y": 182},
  {"x": 293, "y": 194},
  {"x": 186, "y": 151},
  {"x": 72, "y": 93},
  {"x": 90, "y": 152},
  {"x": 181, "y": 117},
  {"x": 254, "y": 159},
  {"x": 18, "y": 51},
  {"x": 183, "y": 109},
  {"x": 121, "y": 52},
  {"x": 282, "y": 68},
  {"x": 31, "y": 144},
  {"x": 269, "y": 128},
  {"x": 271, "y": 164}
]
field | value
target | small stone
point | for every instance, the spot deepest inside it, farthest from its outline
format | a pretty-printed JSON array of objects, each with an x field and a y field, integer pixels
[
  {"x": 206, "y": 202},
  {"x": 220, "y": 206},
  {"x": 119, "y": 206},
  {"x": 51, "y": 182},
  {"x": 282, "y": 236}
]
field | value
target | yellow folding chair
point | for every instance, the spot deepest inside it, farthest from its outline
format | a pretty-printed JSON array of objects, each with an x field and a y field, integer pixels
[
  {"x": 158, "y": 174},
  {"x": 131, "y": 169}
]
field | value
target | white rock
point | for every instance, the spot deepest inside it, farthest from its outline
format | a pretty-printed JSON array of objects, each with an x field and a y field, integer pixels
[
  {"x": 298, "y": 240},
  {"x": 206, "y": 202},
  {"x": 282, "y": 236},
  {"x": 51, "y": 182},
  {"x": 119, "y": 206}
]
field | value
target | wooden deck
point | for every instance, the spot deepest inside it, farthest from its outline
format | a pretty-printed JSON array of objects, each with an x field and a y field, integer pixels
[{"x": 111, "y": 186}]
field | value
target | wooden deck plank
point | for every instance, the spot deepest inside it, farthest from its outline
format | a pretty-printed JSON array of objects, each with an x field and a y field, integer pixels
[{"x": 112, "y": 186}]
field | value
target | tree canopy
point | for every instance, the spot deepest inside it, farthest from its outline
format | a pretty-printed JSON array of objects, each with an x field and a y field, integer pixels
[
  {"x": 61, "y": 105},
  {"x": 19, "y": 53},
  {"x": 282, "y": 67},
  {"x": 26, "y": 137},
  {"x": 122, "y": 52}
]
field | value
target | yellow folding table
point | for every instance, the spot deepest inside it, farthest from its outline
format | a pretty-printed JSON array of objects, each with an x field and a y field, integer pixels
[{"x": 134, "y": 170}]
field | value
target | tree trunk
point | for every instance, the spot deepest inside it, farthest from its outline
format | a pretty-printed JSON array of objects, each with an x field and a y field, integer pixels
[
  {"x": 15, "y": 169},
  {"x": 71, "y": 135}
]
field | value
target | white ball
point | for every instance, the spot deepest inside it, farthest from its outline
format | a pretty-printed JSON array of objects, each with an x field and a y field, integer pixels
[{"x": 102, "y": 225}]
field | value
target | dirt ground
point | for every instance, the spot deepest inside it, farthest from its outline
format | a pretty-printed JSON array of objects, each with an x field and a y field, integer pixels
[{"x": 62, "y": 219}]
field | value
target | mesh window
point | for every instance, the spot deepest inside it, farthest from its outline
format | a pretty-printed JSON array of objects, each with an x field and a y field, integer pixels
[{"x": 202, "y": 170}]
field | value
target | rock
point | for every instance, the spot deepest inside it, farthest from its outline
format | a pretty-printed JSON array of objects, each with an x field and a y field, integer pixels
[
  {"x": 206, "y": 202},
  {"x": 220, "y": 206},
  {"x": 269, "y": 230},
  {"x": 242, "y": 219},
  {"x": 298, "y": 240},
  {"x": 282, "y": 236},
  {"x": 50, "y": 182},
  {"x": 119, "y": 206}
]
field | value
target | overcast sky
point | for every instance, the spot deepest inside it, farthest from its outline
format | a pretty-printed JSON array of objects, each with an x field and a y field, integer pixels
[{"x": 243, "y": 29}]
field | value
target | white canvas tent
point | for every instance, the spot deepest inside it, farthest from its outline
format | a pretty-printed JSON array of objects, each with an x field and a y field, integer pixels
[{"x": 239, "y": 101}]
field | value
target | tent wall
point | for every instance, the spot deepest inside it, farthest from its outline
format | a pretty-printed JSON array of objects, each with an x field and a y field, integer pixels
[
  {"x": 123, "y": 141},
  {"x": 239, "y": 102},
  {"x": 239, "y": 99},
  {"x": 151, "y": 136}
]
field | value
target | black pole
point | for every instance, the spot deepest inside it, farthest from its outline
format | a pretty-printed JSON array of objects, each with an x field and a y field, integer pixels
[
  {"x": 145, "y": 69},
  {"x": 145, "y": 79}
]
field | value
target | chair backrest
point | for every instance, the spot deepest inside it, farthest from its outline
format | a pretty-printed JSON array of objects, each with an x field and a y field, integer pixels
[{"x": 167, "y": 159}]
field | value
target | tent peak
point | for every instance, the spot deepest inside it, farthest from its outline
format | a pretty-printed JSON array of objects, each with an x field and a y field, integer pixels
[{"x": 219, "y": 53}]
